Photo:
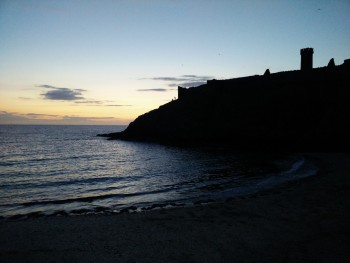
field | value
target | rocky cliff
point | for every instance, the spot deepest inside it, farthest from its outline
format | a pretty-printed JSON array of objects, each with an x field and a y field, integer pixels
[{"x": 301, "y": 110}]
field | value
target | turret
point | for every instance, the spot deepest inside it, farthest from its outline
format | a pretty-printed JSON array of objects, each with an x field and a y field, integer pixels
[{"x": 306, "y": 58}]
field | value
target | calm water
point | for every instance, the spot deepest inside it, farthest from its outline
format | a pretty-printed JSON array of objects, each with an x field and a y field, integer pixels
[{"x": 56, "y": 170}]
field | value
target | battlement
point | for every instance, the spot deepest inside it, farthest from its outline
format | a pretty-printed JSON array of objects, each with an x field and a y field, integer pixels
[{"x": 307, "y": 50}]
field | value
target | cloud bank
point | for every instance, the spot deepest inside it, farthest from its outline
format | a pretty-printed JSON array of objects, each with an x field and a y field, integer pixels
[{"x": 38, "y": 118}]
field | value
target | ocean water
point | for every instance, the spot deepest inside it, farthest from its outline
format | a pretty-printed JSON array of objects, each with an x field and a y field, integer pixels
[{"x": 68, "y": 170}]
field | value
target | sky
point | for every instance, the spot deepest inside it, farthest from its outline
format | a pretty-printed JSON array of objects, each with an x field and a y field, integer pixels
[{"x": 108, "y": 61}]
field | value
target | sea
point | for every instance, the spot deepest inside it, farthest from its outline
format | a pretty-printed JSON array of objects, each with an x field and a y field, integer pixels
[{"x": 48, "y": 170}]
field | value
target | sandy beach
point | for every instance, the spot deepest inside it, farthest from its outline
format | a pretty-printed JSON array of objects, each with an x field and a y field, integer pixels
[{"x": 303, "y": 221}]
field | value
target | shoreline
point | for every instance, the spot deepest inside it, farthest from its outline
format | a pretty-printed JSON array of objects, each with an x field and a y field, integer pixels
[
  {"x": 302, "y": 221},
  {"x": 283, "y": 168}
]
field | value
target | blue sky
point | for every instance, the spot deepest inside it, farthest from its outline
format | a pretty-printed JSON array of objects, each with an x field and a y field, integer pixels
[{"x": 106, "y": 62}]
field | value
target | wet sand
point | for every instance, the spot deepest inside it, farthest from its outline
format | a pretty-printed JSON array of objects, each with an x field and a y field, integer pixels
[{"x": 303, "y": 221}]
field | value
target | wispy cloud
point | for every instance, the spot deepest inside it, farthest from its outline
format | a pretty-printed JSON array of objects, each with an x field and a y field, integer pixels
[
  {"x": 57, "y": 93},
  {"x": 184, "y": 81},
  {"x": 38, "y": 115},
  {"x": 158, "y": 90},
  {"x": 18, "y": 118},
  {"x": 94, "y": 102},
  {"x": 101, "y": 103},
  {"x": 117, "y": 105},
  {"x": 188, "y": 84},
  {"x": 168, "y": 79},
  {"x": 39, "y": 118}
]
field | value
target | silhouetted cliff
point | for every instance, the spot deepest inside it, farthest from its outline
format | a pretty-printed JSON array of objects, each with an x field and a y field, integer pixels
[{"x": 295, "y": 110}]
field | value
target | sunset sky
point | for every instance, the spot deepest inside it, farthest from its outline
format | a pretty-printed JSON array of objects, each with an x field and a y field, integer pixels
[{"x": 106, "y": 62}]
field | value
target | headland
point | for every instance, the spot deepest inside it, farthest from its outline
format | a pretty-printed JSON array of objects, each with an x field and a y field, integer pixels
[{"x": 301, "y": 110}]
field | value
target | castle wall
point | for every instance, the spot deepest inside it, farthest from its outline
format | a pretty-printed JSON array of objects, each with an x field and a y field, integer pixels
[{"x": 181, "y": 92}]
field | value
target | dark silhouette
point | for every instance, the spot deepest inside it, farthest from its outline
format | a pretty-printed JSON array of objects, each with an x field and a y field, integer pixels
[
  {"x": 331, "y": 63},
  {"x": 307, "y": 109},
  {"x": 267, "y": 72},
  {"x": 306, "y": 58}
]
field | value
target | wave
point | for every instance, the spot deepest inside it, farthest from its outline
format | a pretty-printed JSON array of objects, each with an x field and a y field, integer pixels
[
  {"x": 49, "y": 175},
  {"x": 299, "y": 168},
  {"x": 86, "y": 199}
]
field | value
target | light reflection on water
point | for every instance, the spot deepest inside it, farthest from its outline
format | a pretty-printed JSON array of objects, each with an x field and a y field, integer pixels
[{"x": 67, "y": 168}]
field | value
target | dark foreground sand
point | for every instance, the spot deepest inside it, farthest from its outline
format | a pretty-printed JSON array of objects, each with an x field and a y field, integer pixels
[{"x": 304, "y": 221}]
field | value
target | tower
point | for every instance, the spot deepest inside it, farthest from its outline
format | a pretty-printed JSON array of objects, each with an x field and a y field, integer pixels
[{"x": 306, "y": 58}]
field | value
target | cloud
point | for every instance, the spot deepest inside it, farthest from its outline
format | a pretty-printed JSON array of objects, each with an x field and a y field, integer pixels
[
  {"x": 57, "y": 93},
  {"x": 158, "y": 90},
  {"x": 10, "y": 117},
  {"x": 193, "y": 84},
  {"x": 168, "y": 79},
  {"x": 39, "y": 118},
  {"x": 95, "y": 102},
  {"x": 36, "y": 115},
  {"x": 184, "y": 80},
  {"x": 190, "y": 76},
  {"x": 101, "y": 103},
  {"x": 117, "y": 105},
  {"x": 188, "y": 84},
  {"x": 66, "y": 94},
  {"x": 47, "y": 86}
]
